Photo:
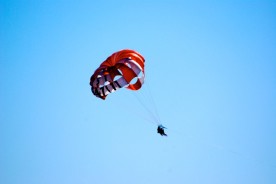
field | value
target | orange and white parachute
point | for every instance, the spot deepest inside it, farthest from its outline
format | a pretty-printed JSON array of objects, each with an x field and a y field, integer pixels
[{"x": 117, "y": 71}]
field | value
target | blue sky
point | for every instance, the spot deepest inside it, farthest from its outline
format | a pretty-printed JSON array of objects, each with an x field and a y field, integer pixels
[{"x": 210, "y": 67}]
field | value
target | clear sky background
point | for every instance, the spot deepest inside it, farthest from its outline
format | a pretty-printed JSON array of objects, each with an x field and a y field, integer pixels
[{"x": 210, "y": 67}]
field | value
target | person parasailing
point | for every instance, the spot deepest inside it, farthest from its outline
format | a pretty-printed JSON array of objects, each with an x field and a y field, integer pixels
[{"x": 160, "y": 130}]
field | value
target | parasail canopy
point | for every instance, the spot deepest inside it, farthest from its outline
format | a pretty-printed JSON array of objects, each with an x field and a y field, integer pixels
[{"x": 124, "y": 68}]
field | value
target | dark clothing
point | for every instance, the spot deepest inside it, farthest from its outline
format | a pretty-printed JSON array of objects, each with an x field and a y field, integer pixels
[{"x": 161, "y": 131}]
